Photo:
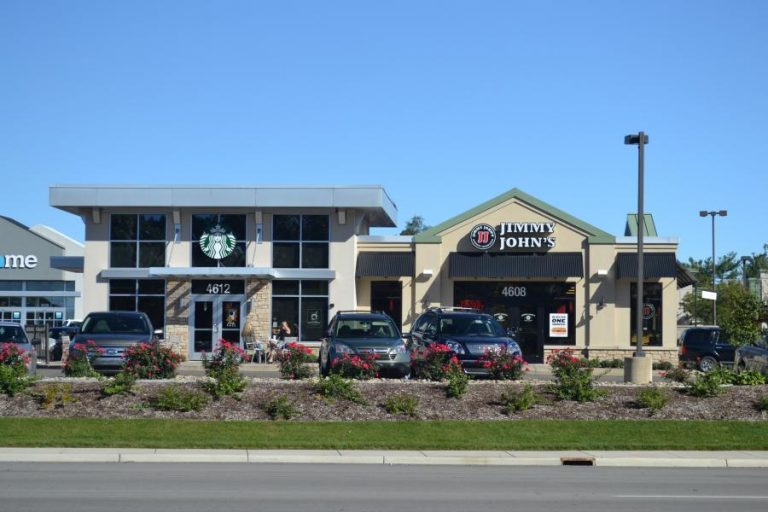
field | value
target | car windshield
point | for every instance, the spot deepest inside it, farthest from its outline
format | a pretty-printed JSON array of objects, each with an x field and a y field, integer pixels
[
  {"x": 12, "y": 334},
  {"x": 470, "y": 325},
  {"x": 350, "y": 328},
  {"x": 104, "y": 324}
]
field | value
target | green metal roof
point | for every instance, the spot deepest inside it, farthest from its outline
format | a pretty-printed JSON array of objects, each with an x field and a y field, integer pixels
[
  {"x": 649, "y": 227},
  {"x": 595, "y": 235}
]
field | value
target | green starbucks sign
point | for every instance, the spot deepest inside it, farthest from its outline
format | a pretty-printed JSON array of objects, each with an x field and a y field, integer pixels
[{"x": 216, "y": 243}]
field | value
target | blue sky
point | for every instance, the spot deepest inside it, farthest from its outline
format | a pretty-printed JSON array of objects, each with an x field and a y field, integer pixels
[{"x": 446, "y": 104}]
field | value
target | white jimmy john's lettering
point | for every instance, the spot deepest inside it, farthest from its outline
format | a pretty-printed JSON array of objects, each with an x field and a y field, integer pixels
[{"x": 526, "y": 227}]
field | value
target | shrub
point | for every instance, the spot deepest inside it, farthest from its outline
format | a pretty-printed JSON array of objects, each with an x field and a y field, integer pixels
[
  {"x": 355, "y": 367},
  {"x": 762, "y": 403},
  {"x": 280, "y": 408},
  {"x": 13, "y": 369},
  {"x": 293, "y": 361},
  {"x": 523, "y": 400},
  {"x": 748, "y": 378},
  {"x": 403, "y": 403},
  {"x": 573, "y": 377},
  {"x": 705, "y": 385},
  {"x": 224, "y": 367},
  {"x": 722, "y": 375},
  {"x": 502, "y": 365},
  {"x": 678, "y": 374},
  {"x": 55, "y": 395},
  {"x": 121, "y": 384},
  {"x": 434, "y": 362},
  {"x": 78, "y": 364},
  {"x": 663, "y": 365},
  {"x": 179, "y": 398},
  {"x": 151, "y": 361},
  {"x": 653, "y": 398},
  {"x": 458, "y": 383},
  {"x": 335, "y": 386}
]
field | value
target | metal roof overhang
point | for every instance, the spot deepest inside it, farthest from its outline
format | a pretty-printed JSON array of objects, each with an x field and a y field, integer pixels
[
  {"x": 68, "y": 263},
  {"x": 218, "y": 273},
  {"x": 385, "y": 264},
  {"x": 655, "y": 265},
  {"x": 503, "y": 265}
]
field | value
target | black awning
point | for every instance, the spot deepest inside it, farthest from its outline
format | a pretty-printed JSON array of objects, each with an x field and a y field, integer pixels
[
  {"x": 655, "y": 265},
  {"x": 684, "y": 277},
  {"x": 385, "y": 264},
  {"x": 501, "y": 265}
]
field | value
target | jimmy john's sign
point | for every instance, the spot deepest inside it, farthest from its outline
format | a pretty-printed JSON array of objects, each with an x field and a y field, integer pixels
[{"x": 513, "y": 235}]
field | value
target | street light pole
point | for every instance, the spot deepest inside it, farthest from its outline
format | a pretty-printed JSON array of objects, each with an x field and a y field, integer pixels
[
  {"x": 641, "y": 139},
  {"x": 713, "y": 214}
]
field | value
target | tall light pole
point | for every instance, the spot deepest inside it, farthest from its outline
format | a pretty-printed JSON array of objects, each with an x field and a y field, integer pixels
[
  {"x": 713, "y": 214},
  {"x": 641, "y": 139}
]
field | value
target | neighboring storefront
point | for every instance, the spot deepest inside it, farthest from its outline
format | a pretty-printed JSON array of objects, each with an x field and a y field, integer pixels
[
  {"x": 205, "y": 262},
  {"x": 34, "y": 289}
]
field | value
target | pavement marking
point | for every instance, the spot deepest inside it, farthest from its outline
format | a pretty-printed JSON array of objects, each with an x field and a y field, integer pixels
[{"x": 690, "y": 497}]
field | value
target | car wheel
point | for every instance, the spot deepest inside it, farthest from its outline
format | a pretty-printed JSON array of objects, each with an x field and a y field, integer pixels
[{"x": 708, "y": 363}]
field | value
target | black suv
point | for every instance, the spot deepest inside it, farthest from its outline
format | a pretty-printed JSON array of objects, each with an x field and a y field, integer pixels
[
  {"x": 706, "y": 348},
  {"x": 365, "y": 333},
  {"x": 468, "y": 333}
]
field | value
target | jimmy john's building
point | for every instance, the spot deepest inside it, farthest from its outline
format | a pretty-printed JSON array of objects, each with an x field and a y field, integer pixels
[{"x": 210, "y": 263}]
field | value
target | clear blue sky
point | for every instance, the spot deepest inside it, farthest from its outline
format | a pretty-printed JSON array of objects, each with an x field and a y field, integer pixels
[{"x": 446, "y": 104}]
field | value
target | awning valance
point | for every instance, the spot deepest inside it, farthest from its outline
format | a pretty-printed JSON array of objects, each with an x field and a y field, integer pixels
[
  {"x": 655, "y": 265},
  {"x": 560, "y": 264},
  {"x": 385, "y": 264}
]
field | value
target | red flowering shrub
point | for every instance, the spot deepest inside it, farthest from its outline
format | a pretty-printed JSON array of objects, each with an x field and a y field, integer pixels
[
  {"x": 151, "y": 361},
  {"x": 355, "y": 367},
  {"x": 502, "y": 365},
  {"x": 78, "y": 364},
  {"x": 13, "y": 369},
  {"x": 293, "y": 359},
  {"x": 436, "y": 362},
  {"x": 573, "y": 377},
  {"x": 224, "y": 367}
]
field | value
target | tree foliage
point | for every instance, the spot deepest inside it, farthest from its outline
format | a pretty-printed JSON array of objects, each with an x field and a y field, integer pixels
[{"x": 415, "y": 226}]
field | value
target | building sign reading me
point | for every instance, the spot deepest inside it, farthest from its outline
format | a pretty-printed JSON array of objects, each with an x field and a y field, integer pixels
[{"x": 513, "y": 235}]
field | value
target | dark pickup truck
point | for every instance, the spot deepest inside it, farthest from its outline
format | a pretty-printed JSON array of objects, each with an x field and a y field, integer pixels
[{"x": 705, "y": 348}]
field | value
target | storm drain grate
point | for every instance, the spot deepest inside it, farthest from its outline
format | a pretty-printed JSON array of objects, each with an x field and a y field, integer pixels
[{"x": 577, "y": 461}]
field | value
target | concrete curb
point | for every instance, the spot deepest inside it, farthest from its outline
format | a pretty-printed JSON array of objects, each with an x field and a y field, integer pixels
[{"x": 730, "y": 459}]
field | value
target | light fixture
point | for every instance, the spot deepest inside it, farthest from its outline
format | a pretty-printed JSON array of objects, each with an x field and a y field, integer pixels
[{"x": 601, "y": 272}]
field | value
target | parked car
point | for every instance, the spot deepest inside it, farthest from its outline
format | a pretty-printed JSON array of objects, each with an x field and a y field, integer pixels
[
  {"x": 753, "y": 356},
  {"x": 364, "y": 333},
  {"x": 705, "y": 348},
  {"x": 469, "y": 333},
  {"x": 114, "y": 332},
  {"x": 11, "y": 332}
]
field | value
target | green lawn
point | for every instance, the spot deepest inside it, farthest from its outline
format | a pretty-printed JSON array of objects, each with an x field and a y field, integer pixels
[{"x": 402, "y": 435}]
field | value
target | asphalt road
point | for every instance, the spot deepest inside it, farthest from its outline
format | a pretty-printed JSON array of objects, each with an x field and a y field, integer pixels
[{"x": 64, "y": 487}]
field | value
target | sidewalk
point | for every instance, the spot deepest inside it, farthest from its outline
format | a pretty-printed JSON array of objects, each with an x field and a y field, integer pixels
[{"x": 668, "y": 459}]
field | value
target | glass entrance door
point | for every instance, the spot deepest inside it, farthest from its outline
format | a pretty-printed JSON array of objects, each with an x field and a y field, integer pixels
[
  {"x": 214, "y": 318},
  {"x": 528, "y": 331}
]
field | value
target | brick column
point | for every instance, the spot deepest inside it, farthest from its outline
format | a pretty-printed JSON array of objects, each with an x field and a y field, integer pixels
[
  {"x": 259, "y": 293},
  {"x": 177, "y": 316}
]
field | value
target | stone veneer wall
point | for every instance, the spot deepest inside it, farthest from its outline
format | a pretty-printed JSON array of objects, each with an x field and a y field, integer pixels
[
  {"x": 658, "y": 355},
  {"x": 177, "y": 316},
  {"x": 259, "y": 293}
]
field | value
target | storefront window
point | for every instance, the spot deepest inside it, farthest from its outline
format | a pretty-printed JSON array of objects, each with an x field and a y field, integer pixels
[
  {"x": 303, "y": 304},
  {"x": 652, "y": 327},
  {"x": 218, "y": 225},
  {"x": 145, "y": 295},
  {"x": 300, "y": 241},
  {"x": 137, "y": 240}
]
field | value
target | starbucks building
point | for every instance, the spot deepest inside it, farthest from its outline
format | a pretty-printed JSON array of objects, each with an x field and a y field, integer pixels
[{"x": 210, "y": 263}]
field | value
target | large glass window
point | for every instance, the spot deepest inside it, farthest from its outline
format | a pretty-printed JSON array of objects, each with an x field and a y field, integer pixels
[
  {"x": 146, "y": 295},
  {"x": 137, "y": 240},
  {"x": 300, "y": 241},
  {"x": 652, "y": 328},
  {"x": 218, "y": 240},
  {"x": 303, "y": 304}
]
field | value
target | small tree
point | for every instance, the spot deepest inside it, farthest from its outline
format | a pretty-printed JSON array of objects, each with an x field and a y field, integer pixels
[
  {"x": 737, "y": 313},
  {"x": 415, "y": 226}
]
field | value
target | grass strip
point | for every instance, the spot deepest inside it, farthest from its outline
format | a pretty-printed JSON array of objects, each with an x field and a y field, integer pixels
[{"x": 391, "y": 435}]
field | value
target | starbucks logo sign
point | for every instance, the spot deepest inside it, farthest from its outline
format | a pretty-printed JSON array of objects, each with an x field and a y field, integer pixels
[{"x": 216, "y": 243}]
